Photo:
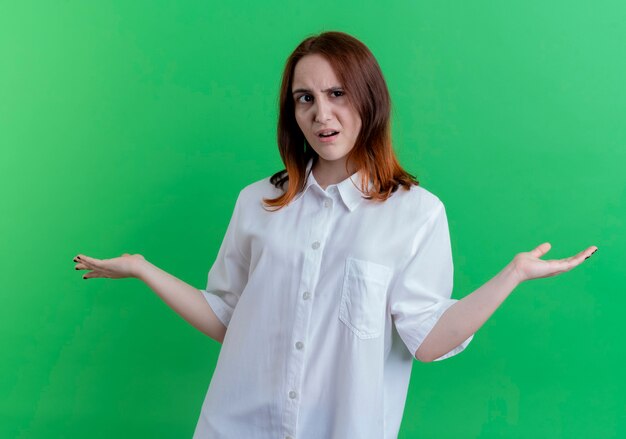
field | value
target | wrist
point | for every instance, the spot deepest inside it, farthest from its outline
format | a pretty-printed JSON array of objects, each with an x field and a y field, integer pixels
[
  {"x": 140, "y": 269},
  {"x": 513, "y": 272}
]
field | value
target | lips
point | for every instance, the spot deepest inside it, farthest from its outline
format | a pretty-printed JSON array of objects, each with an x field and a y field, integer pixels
[
  {"x": 327, "y": 136},
  {"x": 326, "y": 133}
]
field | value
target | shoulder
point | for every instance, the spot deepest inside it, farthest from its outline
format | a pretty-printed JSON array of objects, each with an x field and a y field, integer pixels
[
  {"x": 415, "y": 210},
  {"x": 417, "y": 201},
  {"x": 252, "y": 195}
]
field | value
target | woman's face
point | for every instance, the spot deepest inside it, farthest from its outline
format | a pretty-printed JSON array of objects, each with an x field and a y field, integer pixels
[{"x": 328, "y": 121}]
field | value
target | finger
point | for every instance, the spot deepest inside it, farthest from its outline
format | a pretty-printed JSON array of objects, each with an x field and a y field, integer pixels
[
  {"x": 581, "y": 256},
  {"x": 88, "y": 261},
  {"x": 590, "y": 251},
  {"x": 573, "y": 261},
  {"x": 541, "y": 250},
  {"x": 93, "y": 274}
]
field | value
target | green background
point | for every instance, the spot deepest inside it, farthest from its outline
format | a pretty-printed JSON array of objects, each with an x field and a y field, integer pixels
[{"x": 132, "y": 126}]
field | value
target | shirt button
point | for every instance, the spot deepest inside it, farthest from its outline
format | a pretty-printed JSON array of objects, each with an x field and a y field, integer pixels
[
  {"x": 306, "y": 295},
  {"x": 292, "y": 395},
  {"x": 326, "y": 203},
  {"x": 288, "y": 437},
  {"x": 299, "y": 345},
  {"x": 315, "y": 245}
]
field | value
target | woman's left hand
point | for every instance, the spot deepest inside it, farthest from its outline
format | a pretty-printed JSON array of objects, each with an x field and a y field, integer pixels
[{"x": 528, "y": 265}]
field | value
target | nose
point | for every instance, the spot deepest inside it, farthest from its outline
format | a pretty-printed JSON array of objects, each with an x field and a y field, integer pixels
[{"x": 323, "y": 111}]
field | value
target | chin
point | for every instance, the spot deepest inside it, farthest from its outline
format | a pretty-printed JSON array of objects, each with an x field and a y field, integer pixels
[
  {"x": 331, "y": 158},
  {"x": 329, "y": 155}
]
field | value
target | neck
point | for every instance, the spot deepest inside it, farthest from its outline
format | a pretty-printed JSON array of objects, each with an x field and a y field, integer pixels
[{"x": 331, "y": 172}]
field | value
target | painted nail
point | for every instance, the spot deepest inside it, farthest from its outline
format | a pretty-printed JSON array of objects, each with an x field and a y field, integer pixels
[{"x": 587, "y": 257}]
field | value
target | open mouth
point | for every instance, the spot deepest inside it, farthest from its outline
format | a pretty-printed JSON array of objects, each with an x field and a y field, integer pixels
[{"x": 328, "y": 134}]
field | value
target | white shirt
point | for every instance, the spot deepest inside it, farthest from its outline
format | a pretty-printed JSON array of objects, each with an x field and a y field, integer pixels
[{"x": 326, "y": 302}]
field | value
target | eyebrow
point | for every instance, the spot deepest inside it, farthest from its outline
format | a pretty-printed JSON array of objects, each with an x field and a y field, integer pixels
[{"x": 304, "y": 90}]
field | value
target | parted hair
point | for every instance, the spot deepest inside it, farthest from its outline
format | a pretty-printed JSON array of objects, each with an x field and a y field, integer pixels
[{"x": 366, "y": 89}]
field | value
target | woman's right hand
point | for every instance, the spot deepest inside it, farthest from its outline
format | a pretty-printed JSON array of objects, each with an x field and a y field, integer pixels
[{"x": 126, "y": 265}]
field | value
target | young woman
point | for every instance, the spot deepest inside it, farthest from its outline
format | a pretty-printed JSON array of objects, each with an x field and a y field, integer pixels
[{"x": 334, "y": 274}]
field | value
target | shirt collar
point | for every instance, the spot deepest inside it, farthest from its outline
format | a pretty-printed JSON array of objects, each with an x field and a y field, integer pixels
[{"x": 349, "y": 189}]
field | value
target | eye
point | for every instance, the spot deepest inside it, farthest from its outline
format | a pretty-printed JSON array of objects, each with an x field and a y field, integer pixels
[
  {"x": 304, "y": 99},
  {"x": 338, "y": 93}
]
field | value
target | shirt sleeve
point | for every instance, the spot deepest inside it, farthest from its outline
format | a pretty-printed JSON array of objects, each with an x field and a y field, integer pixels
[
  {"x": 423, "y": 290},
  {"x": 229, "y": 274}
]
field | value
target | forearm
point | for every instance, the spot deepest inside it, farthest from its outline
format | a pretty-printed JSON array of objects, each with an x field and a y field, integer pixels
[
  {"x": 183, "y": 298},
  {"x": 467, "y": 315}
]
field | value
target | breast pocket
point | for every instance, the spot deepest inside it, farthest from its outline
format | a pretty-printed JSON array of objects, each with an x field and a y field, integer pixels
[{"x": 363, "y": 294}]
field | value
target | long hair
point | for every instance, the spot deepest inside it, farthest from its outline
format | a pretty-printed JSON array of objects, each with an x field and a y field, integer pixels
[{"x": 366, "y": 89}]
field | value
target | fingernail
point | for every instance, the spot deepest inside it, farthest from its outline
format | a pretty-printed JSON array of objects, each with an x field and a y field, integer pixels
[
  {"x": 595, "y": 251},
  {"x": 76, "y": 268},
  {"x": 588, "y": 257},
  {"x": 84, "y": 278},
  {"x": 75, "y": 260}
]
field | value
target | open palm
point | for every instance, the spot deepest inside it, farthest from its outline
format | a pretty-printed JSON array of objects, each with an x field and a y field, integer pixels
[
  {"x": 528, "y": 265},
  {"x": 115, "y": 268}
]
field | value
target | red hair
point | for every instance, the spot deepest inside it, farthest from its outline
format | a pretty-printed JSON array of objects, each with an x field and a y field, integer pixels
[{"x": 365, "y": 87}]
